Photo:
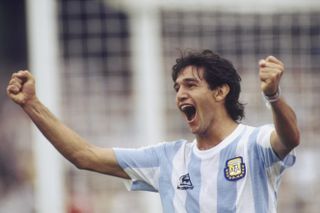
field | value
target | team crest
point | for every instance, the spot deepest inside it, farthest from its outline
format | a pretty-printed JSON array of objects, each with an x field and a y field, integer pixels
[{"x": 235, "y": 169}]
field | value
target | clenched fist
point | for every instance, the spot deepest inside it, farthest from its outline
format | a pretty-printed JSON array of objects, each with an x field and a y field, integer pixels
[
  {"x": 21, "y": 88},
  {"x": 270, "y": 71}
]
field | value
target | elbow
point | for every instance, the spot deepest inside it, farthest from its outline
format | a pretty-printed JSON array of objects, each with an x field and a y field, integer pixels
[
  {"x": 79, "y": 165},
  {"x": 292, "y": 140},
  {"x": 79, "y": 161},
  {"x": 295, "y": 139},
  {"x": 85, "y": 159}
]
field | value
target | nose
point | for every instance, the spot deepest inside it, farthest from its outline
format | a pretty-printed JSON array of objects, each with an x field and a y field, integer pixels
[{"x": 181, "y": 95}]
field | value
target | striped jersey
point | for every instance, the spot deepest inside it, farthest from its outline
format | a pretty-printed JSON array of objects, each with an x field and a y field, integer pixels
[{"x": 240, "y": 175}]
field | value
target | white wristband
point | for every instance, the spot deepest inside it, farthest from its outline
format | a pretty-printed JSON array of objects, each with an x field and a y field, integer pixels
[{"x": 273, "y": 98}]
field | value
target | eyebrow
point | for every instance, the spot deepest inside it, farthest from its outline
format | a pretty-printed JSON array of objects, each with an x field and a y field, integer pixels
[{"x": 186, "y": 80}]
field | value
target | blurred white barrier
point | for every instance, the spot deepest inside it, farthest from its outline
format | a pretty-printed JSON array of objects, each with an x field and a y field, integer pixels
[{"x": 43, "y": 60}]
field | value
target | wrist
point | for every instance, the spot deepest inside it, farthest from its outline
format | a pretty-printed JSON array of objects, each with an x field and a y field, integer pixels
[
  {"x": 272, "y": 98},
  {"x": 269, "y": 99},
  {"x": 30, "y": 102}
]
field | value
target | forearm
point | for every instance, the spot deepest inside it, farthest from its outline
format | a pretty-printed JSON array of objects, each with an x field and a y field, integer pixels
[
  {"x": 21, "y": 89},
  {"x": 74, "y": 148},
  {"x": 287, "y": 135},
  {"x": 285, "y": 122},
  {"x": 66, "y": 141}
]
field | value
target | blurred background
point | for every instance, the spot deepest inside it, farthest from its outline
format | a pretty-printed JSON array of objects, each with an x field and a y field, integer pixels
[{"x": 108, "y": 78}]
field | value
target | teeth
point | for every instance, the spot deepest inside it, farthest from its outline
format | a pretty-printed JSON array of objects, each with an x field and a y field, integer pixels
[{"x": 183, "y": 107}]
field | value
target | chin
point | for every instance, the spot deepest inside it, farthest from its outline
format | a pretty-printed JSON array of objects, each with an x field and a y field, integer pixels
[{"x": 194, "y": 130}]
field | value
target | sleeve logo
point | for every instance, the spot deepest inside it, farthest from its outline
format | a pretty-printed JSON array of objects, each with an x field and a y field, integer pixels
[
  {"x": 235, "y": 169},
  {"x": 185, "y": 182}
]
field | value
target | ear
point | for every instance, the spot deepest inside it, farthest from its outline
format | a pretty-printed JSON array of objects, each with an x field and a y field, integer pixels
[{"x": 221, "y": 92}]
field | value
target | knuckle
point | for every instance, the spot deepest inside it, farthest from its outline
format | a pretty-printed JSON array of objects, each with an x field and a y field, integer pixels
[
  {"x": 10, "y": 88},
  {"x": 15, "y": 82}
]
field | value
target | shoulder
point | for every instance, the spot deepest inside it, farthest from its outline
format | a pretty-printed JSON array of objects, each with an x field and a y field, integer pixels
[
  {"x": 174, "y": 145},
  {"x": 172, "y": 149},
  {"x": 256, "y": 135},
  {"x": 263, "y": 134},
  {"x": 258, "y": 130}
]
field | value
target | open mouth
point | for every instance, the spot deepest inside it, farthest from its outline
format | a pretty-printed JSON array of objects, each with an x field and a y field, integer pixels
[{"x": 189, "y": 111}]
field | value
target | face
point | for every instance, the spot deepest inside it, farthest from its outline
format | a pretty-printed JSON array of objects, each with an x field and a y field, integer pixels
[{"x": 195, "y": 100}]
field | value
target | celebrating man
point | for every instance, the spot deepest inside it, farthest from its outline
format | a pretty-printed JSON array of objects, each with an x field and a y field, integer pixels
[{"x": 229, "y": 167}]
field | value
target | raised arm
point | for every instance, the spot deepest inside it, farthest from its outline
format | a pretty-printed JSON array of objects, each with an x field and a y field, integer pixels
[
  {"x": 21, "y": 90},
  {"x": 286, "y": 135}
]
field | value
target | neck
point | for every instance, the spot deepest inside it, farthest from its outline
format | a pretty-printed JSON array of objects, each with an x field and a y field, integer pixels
[{"x": 215, "y": 134}]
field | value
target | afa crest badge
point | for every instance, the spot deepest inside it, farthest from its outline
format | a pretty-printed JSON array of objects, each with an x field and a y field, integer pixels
[{"x": 235, "y": 169}]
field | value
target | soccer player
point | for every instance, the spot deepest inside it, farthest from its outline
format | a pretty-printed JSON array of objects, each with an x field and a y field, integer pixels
[{"x": 229, "y": 167}]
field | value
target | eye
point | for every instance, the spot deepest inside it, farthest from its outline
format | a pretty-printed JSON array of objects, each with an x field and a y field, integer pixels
[
  {"x": 176, "y": 87},
  {"x": 190, "y": 85}
]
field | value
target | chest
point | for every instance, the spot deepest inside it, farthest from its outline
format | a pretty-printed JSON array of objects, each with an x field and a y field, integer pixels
[{"x": 207, "y": 175}]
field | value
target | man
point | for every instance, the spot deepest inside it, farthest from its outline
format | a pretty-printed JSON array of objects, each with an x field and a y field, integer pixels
[{"x": 229, "y": 167}]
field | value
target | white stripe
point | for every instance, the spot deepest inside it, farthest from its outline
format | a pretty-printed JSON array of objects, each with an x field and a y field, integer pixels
[
  {"x": 264, "y": 136},
  {"x": 244, "y": 187},
  {"x": 208, "y": 192},
  {"x": 272, "y": 201},
  {"x": 149, "y": 175}
]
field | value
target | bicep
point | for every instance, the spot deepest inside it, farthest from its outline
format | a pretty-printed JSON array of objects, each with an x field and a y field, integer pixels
[
  {"x": 103, "y": 160},
  {"x": 278, "y": 147}
]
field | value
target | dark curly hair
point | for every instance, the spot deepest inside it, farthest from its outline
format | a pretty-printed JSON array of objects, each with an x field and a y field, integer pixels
[{"x": 217, "y": 71}]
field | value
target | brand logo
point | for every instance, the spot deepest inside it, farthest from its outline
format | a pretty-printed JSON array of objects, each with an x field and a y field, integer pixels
[
  {"x": 235, "y": 169},
  {"x": 185, "y": 182}
]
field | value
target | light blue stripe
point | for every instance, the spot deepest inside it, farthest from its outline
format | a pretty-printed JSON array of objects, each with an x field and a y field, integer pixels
[
  {"x": 289, "y": 160},
  {"x": 269, "y": 156},
  {"x": 227, "y": 190},
  {"x": 166, "y": 189},
  {"x": 137, "y": 158},
  {"x": 139, "y": 185},
  {"x": 260, "y": 159},
  {"x": 258, "y": 174},
  {"x": 193, "y": 196}
]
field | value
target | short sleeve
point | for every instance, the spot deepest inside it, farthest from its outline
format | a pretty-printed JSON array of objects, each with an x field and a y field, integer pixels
[
  {"x": 142, "y": 165},
  {"x": 269, "y": 157}
]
